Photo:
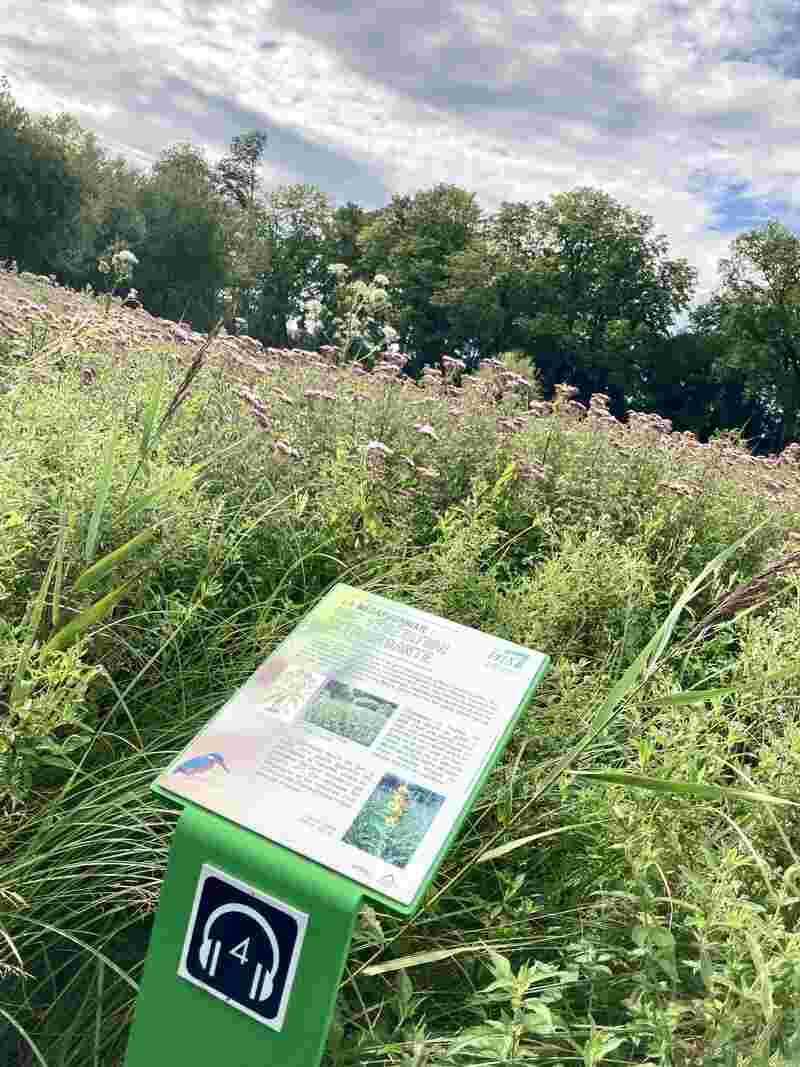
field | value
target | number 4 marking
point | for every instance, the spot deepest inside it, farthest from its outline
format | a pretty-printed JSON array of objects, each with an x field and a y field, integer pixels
[{"x": 240, "y": 951}]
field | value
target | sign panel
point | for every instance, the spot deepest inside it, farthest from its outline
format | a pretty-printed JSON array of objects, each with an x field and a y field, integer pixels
[
  {"x": 242, "y": 946},
  {"x": 360, "y": 741}
]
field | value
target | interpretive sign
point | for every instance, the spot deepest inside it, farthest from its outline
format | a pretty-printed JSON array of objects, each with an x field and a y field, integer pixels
[
  {"x": 342, "y": 768},
  {"x": 361, "y": 740}
]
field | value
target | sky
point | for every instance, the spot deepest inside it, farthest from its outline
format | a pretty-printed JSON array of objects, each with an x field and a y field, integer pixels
[{"x": 685, "y": 110}]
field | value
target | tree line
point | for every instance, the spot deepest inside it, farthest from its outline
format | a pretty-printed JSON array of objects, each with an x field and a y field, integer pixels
[{"x": 579, "y": 285}]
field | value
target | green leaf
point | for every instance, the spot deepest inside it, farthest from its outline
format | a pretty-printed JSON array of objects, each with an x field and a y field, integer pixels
[
  {"x": 151, "y": 413},
  {"x": 418, "y": 959},
  {"x": 700, "y": 696},
  {"x": 68, "y": 634},
  {"x": 108, "y": 562},
  {"x": 56, "y": 609},
  {"x": 184, "y": 479},
  {"x": 701, "y": 789},
  {"x": 101, "y": 496},
  {"x": 17, "y": 689},
  {"x": 502, "y": 850}
]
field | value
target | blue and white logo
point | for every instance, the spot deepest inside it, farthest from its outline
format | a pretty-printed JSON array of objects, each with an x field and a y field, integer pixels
[
  {"x": 507, "y": 659},
  {"x": 242, "y": 946}
]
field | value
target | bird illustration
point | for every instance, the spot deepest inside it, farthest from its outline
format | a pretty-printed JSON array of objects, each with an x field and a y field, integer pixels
[{"x": 201, "y": 763}]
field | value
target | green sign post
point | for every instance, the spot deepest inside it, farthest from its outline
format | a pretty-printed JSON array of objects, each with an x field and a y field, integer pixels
[{"x": 341, "y": 769}]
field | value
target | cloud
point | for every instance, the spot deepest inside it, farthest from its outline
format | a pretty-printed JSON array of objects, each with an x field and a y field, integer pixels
[{"x": 685, "y": 111}]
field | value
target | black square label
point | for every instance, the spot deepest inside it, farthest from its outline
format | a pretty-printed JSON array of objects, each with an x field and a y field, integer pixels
[{"x": 242, "y": 946}]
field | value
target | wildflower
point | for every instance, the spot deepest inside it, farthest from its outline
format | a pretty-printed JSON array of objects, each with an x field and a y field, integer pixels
[
  {"x": 287, "y": 449},
  {"x": 453, "y": 364},
  {"x": 379, "y": 446},
  {"x": 398, "y": 805},
  {"x": 681, "y": 488},
  {"x": 124, "y": 257},
  {"x": 380, "y": 279},
  {"x": 565, "y": 392},
  {"x": 531, "y": 472},
  {"x": 426, "y": 428},
  {"x": 376, "y": 457},
  {"x": 395, "y": 357},
  {"x": 319, "y": 394}
]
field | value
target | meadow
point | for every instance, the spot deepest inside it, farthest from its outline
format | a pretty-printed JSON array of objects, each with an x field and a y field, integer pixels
[{"x": 169, "y": 512}]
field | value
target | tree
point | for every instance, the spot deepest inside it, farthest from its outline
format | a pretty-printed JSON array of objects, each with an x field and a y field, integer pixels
[
  {"x": 108, "y": 194},
  {"x": 688, "y": 379},
  {"x": 12, "y": 116},
  {"x": 600, "y": 292},
  {"x": 490, "y": 283},
  {"x": 757, "y": 311},
  {"x": 575, "y": 284},
  {"x": 342, "y": 246},
  {"x": 236, "y": 173},
  {"x": 39, "y": 196},
  {"x": 183, "y": 260},
  {"x": 410, "y": 242},
  {"x": 296, "y": 225}
]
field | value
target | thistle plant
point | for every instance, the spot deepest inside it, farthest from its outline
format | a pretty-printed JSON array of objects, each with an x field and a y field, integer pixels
[
  {"x": 121, "y": 266},
  {"x": 364, "y": 305}
]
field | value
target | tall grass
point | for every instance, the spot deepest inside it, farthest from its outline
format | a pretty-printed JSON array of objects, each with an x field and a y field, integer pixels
[{"x": 626, "y": 888}]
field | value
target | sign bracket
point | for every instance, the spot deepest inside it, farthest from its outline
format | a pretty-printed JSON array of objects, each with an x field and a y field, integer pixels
[{"x": 178, "y": 1022}]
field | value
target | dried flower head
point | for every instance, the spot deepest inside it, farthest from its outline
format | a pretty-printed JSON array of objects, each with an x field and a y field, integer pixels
[{"x": 426, "y": 428}]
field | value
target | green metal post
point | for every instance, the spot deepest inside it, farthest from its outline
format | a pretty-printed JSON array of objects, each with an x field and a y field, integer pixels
[{"x": 183, "y": 1023}]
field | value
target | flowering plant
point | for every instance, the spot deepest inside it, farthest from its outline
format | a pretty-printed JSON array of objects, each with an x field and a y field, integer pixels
[
  {"x": 363, "y": 308},
  {"x": 121, "y": 266}
]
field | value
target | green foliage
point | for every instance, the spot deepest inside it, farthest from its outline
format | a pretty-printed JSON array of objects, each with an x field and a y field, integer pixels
[
  {"x": 39, "y": 196},
  {"x": 237, "y": 172},
  {"x": 629, "y": 874},
  {"x": 760, "y": 323},
  {"x": 410, "y": 241}
]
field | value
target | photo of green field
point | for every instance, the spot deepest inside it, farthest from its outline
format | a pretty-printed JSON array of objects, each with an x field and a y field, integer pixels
[
  {"x": 349, "y": 712},
  {"x": 394, "y": 820}
]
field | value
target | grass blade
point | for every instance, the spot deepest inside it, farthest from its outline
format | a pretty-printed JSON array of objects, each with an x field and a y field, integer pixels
[
  {"x": 108, "y": 562},
  {"x": 62, "y": 536},
  {"x": 98, "y": 1016},
  {"x": 418, "y": 959},
  {"x": 101, "y": 496},
  {"x": 151, "y": 413},
  {"x": 639, "y": 671},
  {"x": 30, "y": 1042},
  {"x": 700, "y": 789},
  {"x": 68, "y": 634},
  {"x": 700, "y": 696},
  {"x": 98, "y": 955},
  {"x": 36, "y": 618},
  {"x": 503, "y": 850}
]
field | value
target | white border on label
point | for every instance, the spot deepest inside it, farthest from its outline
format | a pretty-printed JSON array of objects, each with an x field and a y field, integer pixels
[{"x": 300, "y": 917}]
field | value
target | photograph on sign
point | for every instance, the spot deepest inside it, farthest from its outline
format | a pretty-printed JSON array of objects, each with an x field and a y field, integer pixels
[
  {"x": 358, "y": 742},
  {"x": 242, "y": 946}
]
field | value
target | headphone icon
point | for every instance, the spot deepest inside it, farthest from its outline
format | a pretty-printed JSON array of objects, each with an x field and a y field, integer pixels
[{"x": 210, "y": 949}]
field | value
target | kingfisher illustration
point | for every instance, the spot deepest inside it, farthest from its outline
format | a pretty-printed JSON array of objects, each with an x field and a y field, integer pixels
[{"x": 199, "y": 764}]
